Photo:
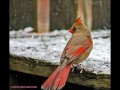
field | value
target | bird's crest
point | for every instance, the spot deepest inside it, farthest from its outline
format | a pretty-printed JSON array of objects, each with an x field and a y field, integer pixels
[{"x": 79, "y": 20}]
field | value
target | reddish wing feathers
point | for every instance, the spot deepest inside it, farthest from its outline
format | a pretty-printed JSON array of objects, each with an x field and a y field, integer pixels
[
  {"x": 73, "y": 52},
  {"x": 77, "y": 52}
]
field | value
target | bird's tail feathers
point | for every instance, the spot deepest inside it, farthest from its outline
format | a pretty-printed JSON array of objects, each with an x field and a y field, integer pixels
[{"x": 57, "y": 79}]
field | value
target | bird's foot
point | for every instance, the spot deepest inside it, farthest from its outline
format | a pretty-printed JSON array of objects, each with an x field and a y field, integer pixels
[
  {"x": 77, "y": 68},
  {"x": 85, "y": 73},
  {"x": 73, "y": 67},
  {"x": 81, "y": 68}
]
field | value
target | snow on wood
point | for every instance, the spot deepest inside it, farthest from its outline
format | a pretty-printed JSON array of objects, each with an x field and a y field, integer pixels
[{"x": 49, "y": 46}]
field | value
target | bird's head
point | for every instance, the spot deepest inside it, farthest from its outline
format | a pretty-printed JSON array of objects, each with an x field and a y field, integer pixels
[{"x": 78, "y": 22}]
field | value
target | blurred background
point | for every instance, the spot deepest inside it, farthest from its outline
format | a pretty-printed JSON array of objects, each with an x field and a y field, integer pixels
[
  {"x": 41, "y": 16},
  {"x": 48, "y": 15}
]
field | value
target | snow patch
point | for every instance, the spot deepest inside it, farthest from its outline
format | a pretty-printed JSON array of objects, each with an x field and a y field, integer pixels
[{"x": 49, "y": 47}]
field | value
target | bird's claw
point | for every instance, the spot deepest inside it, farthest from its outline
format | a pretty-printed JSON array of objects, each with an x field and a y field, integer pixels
[
  {"x": 81, "y": 68},
  {"x": 77, "y": 67},
  {"x": 73, "y": 66}
]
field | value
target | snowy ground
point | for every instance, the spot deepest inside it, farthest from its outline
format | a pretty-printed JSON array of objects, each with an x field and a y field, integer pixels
[{"x": 49, "y": 47}]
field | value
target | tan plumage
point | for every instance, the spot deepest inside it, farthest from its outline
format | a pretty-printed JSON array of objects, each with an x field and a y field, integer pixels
[
  {"x": 79, "y": 37},
  {"x": 77, "y": 50}
]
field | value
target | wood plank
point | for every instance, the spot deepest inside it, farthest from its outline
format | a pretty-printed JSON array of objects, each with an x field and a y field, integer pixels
[{"x": 37, "y": 67}]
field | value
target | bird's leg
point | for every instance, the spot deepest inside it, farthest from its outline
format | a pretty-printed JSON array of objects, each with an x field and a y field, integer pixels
[
  {"x": 78, "y": 67},
  {"x": 73, "y": 67},
  {"x": 81, "y": 68},
  {"x": 85, "y": 69}
]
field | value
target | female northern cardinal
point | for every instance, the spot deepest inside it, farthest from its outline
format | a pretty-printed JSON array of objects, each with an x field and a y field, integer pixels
[{"x": 77, "y": 50}]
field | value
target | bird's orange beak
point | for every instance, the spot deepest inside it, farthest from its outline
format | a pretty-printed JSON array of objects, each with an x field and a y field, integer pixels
[{"x": 71, "y": 31}]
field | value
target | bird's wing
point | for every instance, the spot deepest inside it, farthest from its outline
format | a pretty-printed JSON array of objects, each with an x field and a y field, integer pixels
[{"x": 72, "y": 51}]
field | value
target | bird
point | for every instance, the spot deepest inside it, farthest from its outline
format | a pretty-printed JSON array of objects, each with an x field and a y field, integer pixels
[{"x": 77, "y": 49}]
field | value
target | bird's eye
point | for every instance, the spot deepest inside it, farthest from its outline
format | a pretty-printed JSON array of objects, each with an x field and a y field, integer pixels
[{"x": 74, "y": 29}]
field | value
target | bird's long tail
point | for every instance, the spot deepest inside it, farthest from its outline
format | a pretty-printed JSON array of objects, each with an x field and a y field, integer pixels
[{"x": 57, "y": 79}]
